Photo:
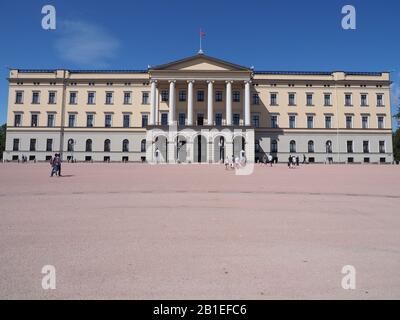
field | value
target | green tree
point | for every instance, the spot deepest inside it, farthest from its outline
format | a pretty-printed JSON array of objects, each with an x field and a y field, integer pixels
[
  {"x": 2, "y": 140},
  {"x": 396, "y": 145}
]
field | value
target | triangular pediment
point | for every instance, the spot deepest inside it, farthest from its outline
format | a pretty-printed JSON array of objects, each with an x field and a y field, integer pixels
[{"x": 200, "y": 62}]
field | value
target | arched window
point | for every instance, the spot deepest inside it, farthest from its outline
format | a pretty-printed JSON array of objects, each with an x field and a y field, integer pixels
[
  {"x": 143, "y": 146},
  {"x": 292, "y": 146},
  {"x": 125, "y": 145},
  {"x": 329, "y": 146},
  {"x": 274, "y": 146},
  {"x": 310, "y": 146},
  {"x": 88, "y": 145},
  {"x": 71, "y": 144},
  {"x": 107, "y": 145}
]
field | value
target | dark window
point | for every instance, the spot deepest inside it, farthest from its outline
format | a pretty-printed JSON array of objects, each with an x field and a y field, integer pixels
[
  {"x": 274, "y": 121},
  {"x": 88, "y": 145},
  {"x": 347, "y": 99},
  {"x": 52, "y": 97},
  {"x": 49, "y": 145},
  {"x": 127, "y": 98},
  {"x": 34, "y": 120},
  {"x": 310, "y": 146},
  {"x": 292, "y": 99},
  {"x": 310, "y": 122},
  {"x": 182, "y": 119},
  {"x": 71, "y": 120},
  {"x": 379, "y": 100},
  {"x": 349, "y": 122},
  {"x": 382, "y": 148},
  {"x": 89, "y": 120},
  {"x": 292, "y": 146},
  {"x": 91, "y": 97},
  {"x": 50, "y": 120},
  {"x": 125, "y": 145},
  {"x": 164, "y": 95},
  {"x": 200, "y": 95},
  {"x": 107, "y": 120},
  {"x": 349, "y": 146},
  {"x": 145, "y": 120},
  {"x": 236, "y": 119},
  {"x": 164, "y": 119},
  {"x": 17, "y": 120},
  {"x": 182, "y": 95},
  {"x": 364, "y": 122},
  {"x": 107, "y": 145},
  {"x": 71, "y": 144},
  {"x": 364, "y": 100},
  {"x": 73, "y": 98},
  {"x": 328, "y": 122},
  {"x": 292, "y": 122},
  {"x": 236, "y": 96},
  {"x": 218, "y": 96},
  {"x": 274, "y": 146},
  {"x": 145, "y": 97},
  {"x": 16, "y": 145},
  {"x": 126, "y": 120},
  {"x": 19, "y": 97},
  {"x": 328, "y": 146},
  {"x": 143, "y": 146},
  {"x": 218, "y": 119},
  {"x": 256, "y": 98},
  {"x": 327, "y": 99},
  {"x": 256, "y": 120},
  {"x": 381, "y": 123},
  {"x": 32, "y": 146},
  {"x": 109, "y": 98},
  {"x": 309, "y": 99},
  {"x": 274, "y": 100},
  {"x": 35, "y": 97}
]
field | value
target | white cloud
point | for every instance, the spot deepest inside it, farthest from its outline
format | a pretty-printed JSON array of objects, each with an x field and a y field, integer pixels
[{"x": 85, "y": 44}]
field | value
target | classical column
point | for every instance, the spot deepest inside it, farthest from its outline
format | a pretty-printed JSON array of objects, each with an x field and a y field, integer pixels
[
  {"x": 229, "y": 103},
  {"x": 153, "y": 100},
  {"x": 247, "y": 103},
  {"x": 210, "y": 107},
  {"x": 190, "y": 103},
  {"x": 171, "y": 102}
]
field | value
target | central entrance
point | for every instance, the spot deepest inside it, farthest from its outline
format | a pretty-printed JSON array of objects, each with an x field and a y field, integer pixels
[{"x": 200, "y": 149}]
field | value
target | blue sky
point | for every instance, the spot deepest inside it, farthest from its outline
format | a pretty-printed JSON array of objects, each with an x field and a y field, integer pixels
[{"x": 132, "y": 34}]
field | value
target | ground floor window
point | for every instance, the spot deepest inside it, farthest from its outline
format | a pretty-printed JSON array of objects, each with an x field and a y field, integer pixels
[
  {"x": 292, "y": 146},
  {"x": 143, "y": 145},
  {"x": 274, "y": 146}
]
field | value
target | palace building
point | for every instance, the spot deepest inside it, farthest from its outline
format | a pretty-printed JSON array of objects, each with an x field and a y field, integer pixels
[{"x": 199, "y": 109}]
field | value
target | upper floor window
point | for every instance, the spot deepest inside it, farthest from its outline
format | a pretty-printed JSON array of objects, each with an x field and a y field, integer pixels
[
  {"x": 274, "y": 99},
  {"x": 292, "y": 121},
  {"x": 127, "y": 97},
  {"x": 182, "y": 119},
  {"x": 164, "y": 95},
  {"x": 200, "y": 95},
  {"x": 51, "y": 120},
  {"x": 309, "y": 98},
  {"x": 236, "y": 119},
  {"x": 255, "y": 120},
  {"x": 381, "y": 122},
  {"x": 34, "y": 120},
  {"x": 145, "y": 97},
  {"x": 52, "y": 97},
  {"x": 292, "y": 99},
  {"x": 126, "y": 120},
  {"x": 89, "y": 120},
  {"x": 36, "y": 97},
  {"x": 91, "y": 97},
  {"x": 73, "y": 97},
  {"x": 256, "y": 99},
  {"x": 310, "y": 122},
  {"x": 236, "y": 96},
  {"x": 349, "y": 122},
  {"x": 364, "y": 100},
  {"x": 274, "y": 121},
  {"x": 328, "y": 122},
  {"x": 327, "y": 99},
  {"x": 182, "y": 95},
  {"x": 164, "y": 119},
  {"x": 379, "y": 100},
  {"x": 108, "y": 120},
  {"x": 364, "y": 121},
  {"x": 218, "y": 119},
  {"x": 218, "y": 96},
  {"x": 17, "y": 120},
  {"x": 109, "y": 97},
  {"x": 145, "y": 120},
  {"x": 71, "y": 120},
  {"x": 348, "y": 100},
  {"x": 19, "y": 97}
]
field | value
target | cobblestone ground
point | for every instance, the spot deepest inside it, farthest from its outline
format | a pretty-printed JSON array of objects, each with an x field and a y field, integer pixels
[{"x": 135, "y": 231}]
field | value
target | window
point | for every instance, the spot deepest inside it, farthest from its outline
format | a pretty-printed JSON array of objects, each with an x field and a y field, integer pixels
[
  {"x": 256, "y": 98},
  {"x": 145, "y": 98},
  {"x": 91, "y": 97},
  {"x": 328, "y": 122},
  {"x": 143, "y": 146},
  {"x": 311, "y": 146},
  {"x": 107, "y": 120},
  {"x": 364, "y": 120},
  {"x": 164, "y": 95},
  {"x": 34, "y": 120},
  {"x": 218, "y": 96},
  {"x": 145, "y": 120},
  {"x": 349, "y": 146},
  {"x": 71, "y": 120},
  {"x": 17, "y": 120},
  {"x": 182, "y": 119},
  {"x": 382, "y": 147},
  {"x": 218, "y": 119},
  {"x": 109, "y": 97},
  {"x": 164, "y": 119},
  {"x": 71, "y": 144},
  {"x": 257, "y": 146},
  {"x": 366, "y": 146},
  {"x": 52, "y": 97},
  {"x": 16, "y": 145},
  {"x": 32, "y": 145},
  {"x": 256, "y": 120},
  {"x": 327, "y": 100},
  {"x": 310, "y": 122},
  {"x": 292, "y": 121},
  {"x": 50, "y": 120},
  {"x": 274, "y": 99},
  {"x": 107, "y": 145},
  {"x": 292, "y": 99},
  {"x": 274, "y": 121},
  {"x": 348, "y": 100},
  {"x": 126, "y": 120},
  {"x": 364, "y": 100},
  {"x": 236, "y": 96},
  {"x": 19, "y": 97},
  {"x": 309, "y": 98},
  {"x": 236, "y": 119},
  {"x": 88, "y": 147},
  {"x": 127, "y": 97},
  {"x": 381, "y": 122},
  {"x": 182, "y": 95},
  {"x": 36, "y": 97},
  {"x": 328, "y": 146},
  {"x": 200, "y": 95},
  {"x": 292, "y": 146},
  {"x": 125, "y": 145},
  {"x": 49, "y": 145},
  {"x": 73, "y": 98},
  {"x": 379, "y": 100},
  {"x": 90, "y": 120},
  {"x": 274, "y": 146},
  {"x": 349, "y": 122}
]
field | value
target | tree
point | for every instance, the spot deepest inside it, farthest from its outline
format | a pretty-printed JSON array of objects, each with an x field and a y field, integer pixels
[
  {"x": 2, "y": 140},
  {"x": 396, "y": 145}
]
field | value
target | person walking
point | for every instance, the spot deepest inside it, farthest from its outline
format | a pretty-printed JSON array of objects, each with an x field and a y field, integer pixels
[
  {"x": 297, "y": 161},
  {"x": 304, "y": 159},
  {"x": 53, "y": 164},
  {"x": 289, "y": 161}
]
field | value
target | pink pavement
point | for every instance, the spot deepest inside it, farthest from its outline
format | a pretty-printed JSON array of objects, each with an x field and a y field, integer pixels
[{"x": 137, "y": 231}]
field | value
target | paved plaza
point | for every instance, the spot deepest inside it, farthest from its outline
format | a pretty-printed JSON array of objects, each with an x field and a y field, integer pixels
[{"x": 138, "y": 231}]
